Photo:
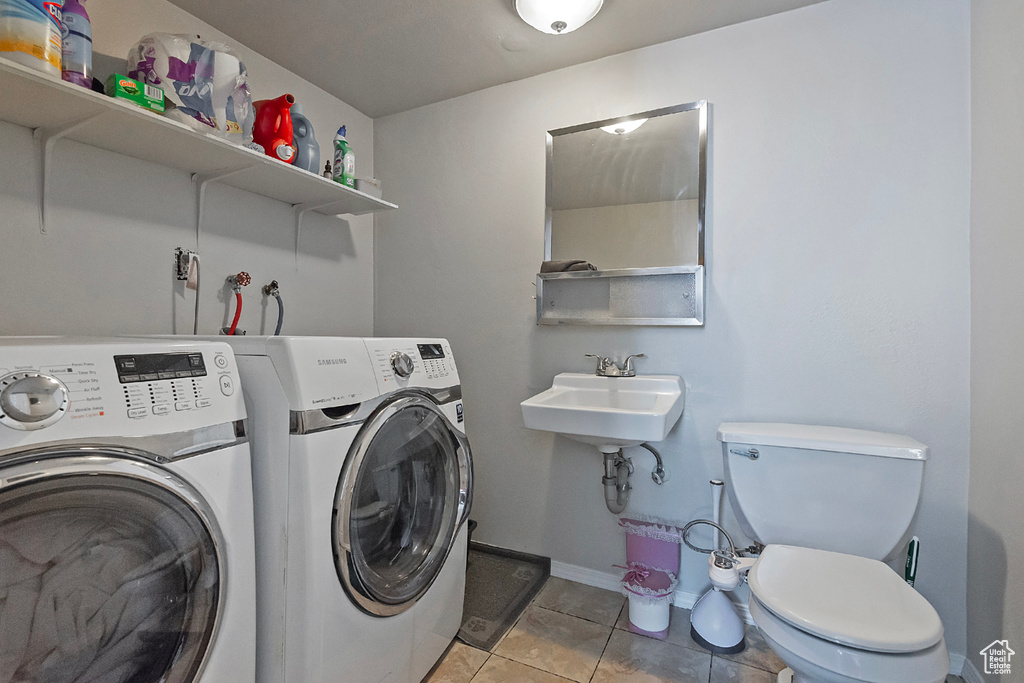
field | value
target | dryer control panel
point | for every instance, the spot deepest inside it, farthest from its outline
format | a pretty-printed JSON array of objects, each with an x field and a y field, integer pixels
[
  {"x": 157, "y": 383},
  {"x": 56, "y": 388}
]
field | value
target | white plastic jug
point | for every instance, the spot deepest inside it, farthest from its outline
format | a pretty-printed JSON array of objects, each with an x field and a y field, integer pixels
[{"x": 30, "y": 33}]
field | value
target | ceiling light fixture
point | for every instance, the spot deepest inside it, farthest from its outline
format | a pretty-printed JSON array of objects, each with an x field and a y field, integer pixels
[
  {"x": 557, "y": 16},
  {"x": 624, "y": 127}
]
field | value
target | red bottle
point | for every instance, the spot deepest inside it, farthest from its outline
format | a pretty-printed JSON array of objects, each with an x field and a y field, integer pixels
[{"x": 273, "y": 127}]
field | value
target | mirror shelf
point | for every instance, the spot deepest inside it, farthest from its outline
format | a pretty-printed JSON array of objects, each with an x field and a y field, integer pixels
[
  {"x": 669, "y": 296},
  {"x": 632, "y": 201}
]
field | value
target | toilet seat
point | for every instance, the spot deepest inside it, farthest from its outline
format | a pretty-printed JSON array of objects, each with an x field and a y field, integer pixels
[
  {"x": 845, "y": 599},
  {"x": 821, "y": 660}
]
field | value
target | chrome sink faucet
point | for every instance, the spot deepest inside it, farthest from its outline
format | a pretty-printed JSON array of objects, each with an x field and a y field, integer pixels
[{"x": 606, "y": 367}]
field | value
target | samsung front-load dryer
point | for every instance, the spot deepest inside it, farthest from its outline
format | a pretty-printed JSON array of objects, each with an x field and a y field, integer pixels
[
  {"x": 362, "y": 480},
  {"x": 126, "y": 527}
]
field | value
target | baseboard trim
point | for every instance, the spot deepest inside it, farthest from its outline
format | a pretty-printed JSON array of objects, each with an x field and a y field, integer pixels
[
  {"x": 588, "y": 577},
  {"x": 968, "y": 671},
  {"x": 611, "y": 581}
]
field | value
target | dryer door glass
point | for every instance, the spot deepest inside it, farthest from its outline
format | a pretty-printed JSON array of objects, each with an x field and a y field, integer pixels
[
  {"x": 398, "y": 504},
  {"x": 106, "y": 573}
]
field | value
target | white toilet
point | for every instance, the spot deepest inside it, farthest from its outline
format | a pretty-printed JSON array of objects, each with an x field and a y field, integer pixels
[{"x": 830, "y": 503}]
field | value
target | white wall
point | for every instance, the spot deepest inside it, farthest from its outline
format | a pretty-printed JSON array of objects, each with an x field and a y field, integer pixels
[
  {"x": 105, "y": 265},
  {"x": 837, "y": 291},
  {"x": 995, "y": 603}
]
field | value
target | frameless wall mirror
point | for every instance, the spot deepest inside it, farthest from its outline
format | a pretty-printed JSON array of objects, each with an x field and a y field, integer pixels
[{"x": 627, "y": 195}]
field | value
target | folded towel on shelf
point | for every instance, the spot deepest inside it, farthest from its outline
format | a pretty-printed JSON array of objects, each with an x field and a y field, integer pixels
[{"x": 566, "y": 265}]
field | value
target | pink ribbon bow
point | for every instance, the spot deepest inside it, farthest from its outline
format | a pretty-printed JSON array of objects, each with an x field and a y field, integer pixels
[{"x": 635, "y": 574}]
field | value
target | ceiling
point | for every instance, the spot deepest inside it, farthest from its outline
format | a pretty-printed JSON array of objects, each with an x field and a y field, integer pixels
[{"x": 388, "y": 56}]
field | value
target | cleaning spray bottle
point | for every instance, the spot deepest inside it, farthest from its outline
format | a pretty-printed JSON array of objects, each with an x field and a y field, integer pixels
[
  {"x": 344, "y": 160},
  {"x": 30, "y": 33},
  {"x": 76, "y": 52}
]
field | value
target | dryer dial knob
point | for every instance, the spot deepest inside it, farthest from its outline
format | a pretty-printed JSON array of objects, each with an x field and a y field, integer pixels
[
  {"x": 401, "y": 364},
  {"x": 30, "y": 400}
]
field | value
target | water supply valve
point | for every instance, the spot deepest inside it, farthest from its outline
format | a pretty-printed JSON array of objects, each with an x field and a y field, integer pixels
[{"x": 242, "y": 279}]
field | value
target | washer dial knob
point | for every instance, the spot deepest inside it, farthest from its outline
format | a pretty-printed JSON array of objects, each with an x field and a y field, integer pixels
[
  {"x": 30, "y": 400},
  {"x": 401, "y": 364}
]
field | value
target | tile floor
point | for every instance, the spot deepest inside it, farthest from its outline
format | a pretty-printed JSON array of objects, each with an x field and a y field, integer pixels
[{"x": 572, "y": 632}]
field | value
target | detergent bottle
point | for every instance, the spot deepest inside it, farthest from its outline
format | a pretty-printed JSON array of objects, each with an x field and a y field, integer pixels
[
  {"x": 273, "y": 127},
  {"x": 76, "y": 51},
  {"x": 30, "y": 33},
  {"x": 344, "y": 160},
  {"x": 307, "y": 150}
]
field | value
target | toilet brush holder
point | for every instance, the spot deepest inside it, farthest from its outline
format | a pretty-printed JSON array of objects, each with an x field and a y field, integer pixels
[
  {"x": 714, "y": 621},
  {"x": 715, "y": 624}
]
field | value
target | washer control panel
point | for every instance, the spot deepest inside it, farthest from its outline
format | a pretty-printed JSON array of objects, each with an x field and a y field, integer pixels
[
  {"x": 402, "y": 363},
  {"x": 117, "y": 387}
]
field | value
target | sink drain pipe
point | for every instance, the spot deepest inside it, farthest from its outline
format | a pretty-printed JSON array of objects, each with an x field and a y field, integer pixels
[
  {"x": 616, "y": 481},
  {"x": 617, "y": 470}
]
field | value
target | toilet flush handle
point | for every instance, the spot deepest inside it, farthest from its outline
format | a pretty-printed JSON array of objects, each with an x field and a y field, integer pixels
[{"x": 751, "y": 453}]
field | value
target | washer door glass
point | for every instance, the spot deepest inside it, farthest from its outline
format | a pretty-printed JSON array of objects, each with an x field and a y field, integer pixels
[
  {"x": 398, "y": 504},
  {"x": 106, "y": 573}
]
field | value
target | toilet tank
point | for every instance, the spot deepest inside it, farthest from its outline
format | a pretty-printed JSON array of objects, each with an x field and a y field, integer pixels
[{"x": 832, "y": 488}]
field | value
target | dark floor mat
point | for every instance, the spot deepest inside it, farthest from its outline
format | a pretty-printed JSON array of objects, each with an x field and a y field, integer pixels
[{"x": 499, "y": 585}]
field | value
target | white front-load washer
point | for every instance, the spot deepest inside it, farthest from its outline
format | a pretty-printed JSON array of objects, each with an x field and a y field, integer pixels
[
  {"x": 126, "y": 526},
  {"x": 363, "y": 481}
]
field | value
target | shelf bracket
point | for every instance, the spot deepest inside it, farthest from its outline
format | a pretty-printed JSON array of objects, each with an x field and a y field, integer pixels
[
  {"x": 201, "y": 180},
  {"x": 300, "y": 211},
  {"x": 47, "y": 138}
]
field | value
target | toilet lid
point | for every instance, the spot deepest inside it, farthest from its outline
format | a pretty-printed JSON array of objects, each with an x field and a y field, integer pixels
[{"x": 847, "y": 599}]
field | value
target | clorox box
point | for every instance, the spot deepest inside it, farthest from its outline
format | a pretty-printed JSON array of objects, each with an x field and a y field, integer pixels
[{"x": 148, "y": 96}]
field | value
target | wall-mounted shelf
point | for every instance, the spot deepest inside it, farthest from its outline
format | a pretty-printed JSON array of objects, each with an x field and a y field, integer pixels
[
  {"x": 52, "y": 107},
  {"x": 629, "y": 296}
]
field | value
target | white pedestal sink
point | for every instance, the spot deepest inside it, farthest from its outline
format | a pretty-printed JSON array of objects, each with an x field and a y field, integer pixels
[{"x": 608, "y": 412}]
